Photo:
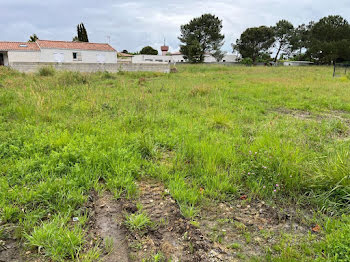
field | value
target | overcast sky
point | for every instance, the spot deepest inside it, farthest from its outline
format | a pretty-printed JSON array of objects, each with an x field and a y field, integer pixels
[{"x": 134, "y": 24}]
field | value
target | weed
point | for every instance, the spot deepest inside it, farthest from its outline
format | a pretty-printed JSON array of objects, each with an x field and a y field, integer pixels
[
  {"x": 137, "y": 221},
  {"x": 55, "y": 240},
  {"x": 235, "y": 246}
]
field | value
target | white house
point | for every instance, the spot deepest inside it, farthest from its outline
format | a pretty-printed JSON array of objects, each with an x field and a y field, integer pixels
[
  {"x": 179, "y": 58},
  {"x": 42, "y": 52}
]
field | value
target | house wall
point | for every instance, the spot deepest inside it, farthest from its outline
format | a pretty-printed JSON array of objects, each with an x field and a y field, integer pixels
[
  {"x": 178, "y": 58},
  {"x": 87, "y": 56},
  {"x": 229, "y": 58},
  {"x": 23, "y": 56},
  {"x": 151, "y": 59}
]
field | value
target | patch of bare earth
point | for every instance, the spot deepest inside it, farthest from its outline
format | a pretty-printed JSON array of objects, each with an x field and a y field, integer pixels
[
  {"x": 173, "y": 236},
  {"x": 10, "y": 251},
  {"x": 245, "y": 230},
  {"x": 106, "y": 222}
]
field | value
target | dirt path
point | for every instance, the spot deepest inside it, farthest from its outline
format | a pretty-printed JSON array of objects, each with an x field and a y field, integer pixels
[
  {"x": 108, "y": 227},
  {"x": 173, "y": 236}
]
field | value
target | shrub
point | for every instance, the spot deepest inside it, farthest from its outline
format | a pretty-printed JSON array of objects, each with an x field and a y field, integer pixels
[
  {"x": 68, "y": 78},
  {"x": 247, "y": 61},
  {"x": 46, "y": 71}
]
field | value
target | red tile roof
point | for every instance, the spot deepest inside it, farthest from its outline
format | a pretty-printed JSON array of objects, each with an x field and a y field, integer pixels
[
  {"x": 8, "y": 46},
  {"x": 126, "y": 55},
  {"x": 74, "y": 45}
]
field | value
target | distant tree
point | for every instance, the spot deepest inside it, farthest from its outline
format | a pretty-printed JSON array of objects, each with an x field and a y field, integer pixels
[
  {"x": 330, "y": 40},
  {"x": 125, "y": 51},
  {"x": 33, "y": 38},
  {"x": 82, "y": 35},
  {"x": 255, "y": 42},
  {"x": 218, "y": 55},
  {"x": 283, "y": 32},
  {"x": 300, "y": 38},
  {"x": 148, "y": 50},
  {"x": 201, "y": 35}
]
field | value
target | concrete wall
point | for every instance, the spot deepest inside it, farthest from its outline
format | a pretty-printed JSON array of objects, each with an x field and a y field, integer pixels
[
  {"x": 23, "y": 56},
  {"x": 297, "y": 63},
  {"x": 145, "y": 67},
  {"x": 89, "y": 67},
  {"x": 87, "y": 56}
]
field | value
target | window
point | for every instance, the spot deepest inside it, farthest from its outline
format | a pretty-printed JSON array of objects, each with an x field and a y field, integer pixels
[{"x": 76, "y": 56}]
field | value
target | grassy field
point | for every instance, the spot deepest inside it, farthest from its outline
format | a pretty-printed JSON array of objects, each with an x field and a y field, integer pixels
[{"x": 209, "y": 134}]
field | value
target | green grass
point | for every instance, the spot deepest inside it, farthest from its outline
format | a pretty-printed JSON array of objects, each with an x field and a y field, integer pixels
[
  {"x": 138, "y": 221},
  {"x": 206, "y": 132}
]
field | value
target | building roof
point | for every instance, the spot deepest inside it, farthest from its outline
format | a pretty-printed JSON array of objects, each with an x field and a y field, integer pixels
[
  {"x": 9, "y": 46},
  {"x": 125, "y": 55},
  {"x": 74, "y": 45},
  {"x": 176, "y": 53}
]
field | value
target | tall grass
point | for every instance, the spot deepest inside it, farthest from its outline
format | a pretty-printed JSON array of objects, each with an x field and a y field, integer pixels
[{"x": 207, "y": 132}]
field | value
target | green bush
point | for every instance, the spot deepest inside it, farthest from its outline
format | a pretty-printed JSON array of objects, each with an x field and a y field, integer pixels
[
  {"x": 46, "y": 71},
  {"x": 247, "y": 61}
]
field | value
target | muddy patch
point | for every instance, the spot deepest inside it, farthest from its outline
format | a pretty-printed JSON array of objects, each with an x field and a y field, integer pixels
[
  {"x": 246, "y": 230},
  {"x": 171, "y": 236},
  {"x": 10, "y": 251},
  {"x": 106, "y": 221}
]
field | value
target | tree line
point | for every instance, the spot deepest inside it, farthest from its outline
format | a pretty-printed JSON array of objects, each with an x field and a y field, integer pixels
[{"x": 326, "y": 41}]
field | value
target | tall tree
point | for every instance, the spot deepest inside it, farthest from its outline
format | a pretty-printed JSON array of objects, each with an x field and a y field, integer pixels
[
  {"x": 283, "y": 35},
  {"x": 82, "y": 35},
  {"x": 199, "y": 36},
  {"x": 330, "y": 40},
  {"x": 33, "y": 38},
  {"x": 255, "y": 42},
  {"x": 148, "y": 50},
  {"x": 300, "y": 38}
]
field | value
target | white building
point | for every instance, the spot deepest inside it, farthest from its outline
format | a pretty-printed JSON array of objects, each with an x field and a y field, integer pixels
[
  {"x": 45, "y": 51},
  {"x": 179, "y": 58}
]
